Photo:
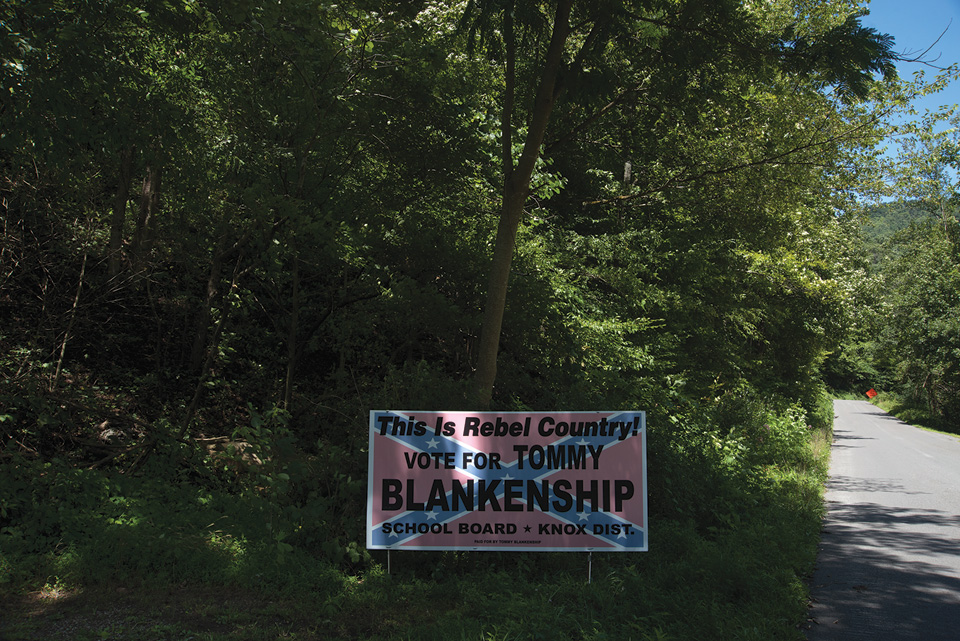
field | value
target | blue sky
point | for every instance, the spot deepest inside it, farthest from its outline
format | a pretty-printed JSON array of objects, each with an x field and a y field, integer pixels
[{"x": 916, "y": 25}]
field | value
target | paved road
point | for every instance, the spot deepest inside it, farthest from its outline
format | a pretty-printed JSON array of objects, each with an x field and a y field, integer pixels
[{"x": 889, "y": 561}]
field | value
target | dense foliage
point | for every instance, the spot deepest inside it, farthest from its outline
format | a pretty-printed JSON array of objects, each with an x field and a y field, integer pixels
[
  {"x": 232, "y": 228},
  {"x": 908, "y": 344},
  {"x": 906, "y": 291}
]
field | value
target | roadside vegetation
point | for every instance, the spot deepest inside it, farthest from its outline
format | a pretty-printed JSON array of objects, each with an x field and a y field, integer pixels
[
  {"x": 230, "y": 229},
  {"x": 97, "y": 554},
  {"x": 907, "y": 346}
]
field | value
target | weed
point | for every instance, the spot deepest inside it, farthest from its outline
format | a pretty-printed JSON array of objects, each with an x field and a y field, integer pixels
[{"x": 733, "y": 534}]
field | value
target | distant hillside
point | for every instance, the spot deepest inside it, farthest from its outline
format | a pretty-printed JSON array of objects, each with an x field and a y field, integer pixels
[{"x": 889, "y": 218}]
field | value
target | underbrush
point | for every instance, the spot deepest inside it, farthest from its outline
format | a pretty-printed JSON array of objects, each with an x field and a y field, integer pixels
[
  {"x": 735, "y": 507},
  {"x": 913, "y": 414}
]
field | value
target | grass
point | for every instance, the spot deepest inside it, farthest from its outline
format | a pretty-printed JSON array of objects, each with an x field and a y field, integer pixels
[
  {"x": 720, "y": 591},
  {"x": 151, "y": 614},
  {"x": 931, "y": 429},
  {"x": 732, "y": 542},
  {"x": 909, "y": 414}
]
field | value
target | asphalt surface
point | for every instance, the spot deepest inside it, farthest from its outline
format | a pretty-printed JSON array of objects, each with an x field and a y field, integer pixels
[{"x": 889, "y": 561}]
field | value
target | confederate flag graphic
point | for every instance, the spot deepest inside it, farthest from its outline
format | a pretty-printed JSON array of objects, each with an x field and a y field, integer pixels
[{"x": 543, "y": 481}]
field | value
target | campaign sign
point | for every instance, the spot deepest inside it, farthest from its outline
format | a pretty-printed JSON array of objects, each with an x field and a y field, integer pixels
[{"x": 547, "y": 481}]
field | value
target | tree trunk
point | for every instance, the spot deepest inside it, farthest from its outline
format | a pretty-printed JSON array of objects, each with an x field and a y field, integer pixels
[
  {"x": 207, "y": 364},
  {"x": 516, "y": 185},
  {"x": 67, "y": 333},
  {"x": 203, "y": 321},
  {"x": 292, "y": 351},
  {"x": 146, "y": 229},
  {"x": 120, "y": 211}
]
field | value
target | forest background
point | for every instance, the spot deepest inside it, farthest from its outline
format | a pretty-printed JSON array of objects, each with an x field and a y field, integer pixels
[{"x": 230, "y": 229}]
